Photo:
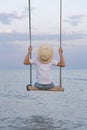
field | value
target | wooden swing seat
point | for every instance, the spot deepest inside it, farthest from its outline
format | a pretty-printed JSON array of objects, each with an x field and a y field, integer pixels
[{"x": 33, "y": 88}]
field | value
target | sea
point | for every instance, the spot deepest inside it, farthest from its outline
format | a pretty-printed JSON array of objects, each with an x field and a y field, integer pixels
[{"x": 43, "y": 110}]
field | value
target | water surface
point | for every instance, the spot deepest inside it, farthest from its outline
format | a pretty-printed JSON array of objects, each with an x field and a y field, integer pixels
[{"x": 23, "y": 110}]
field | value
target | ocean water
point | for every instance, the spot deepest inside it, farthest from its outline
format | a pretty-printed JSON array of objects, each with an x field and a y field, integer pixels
[{"x": 43, "y": 110}]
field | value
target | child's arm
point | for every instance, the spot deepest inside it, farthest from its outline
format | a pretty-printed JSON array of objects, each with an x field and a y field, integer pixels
[
  {"x": 61, "y": 63},
  {"x": 27, "y": 58}
]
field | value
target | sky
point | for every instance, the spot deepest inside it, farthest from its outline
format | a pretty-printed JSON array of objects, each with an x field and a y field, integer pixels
[{"x": 45, "y": 29}]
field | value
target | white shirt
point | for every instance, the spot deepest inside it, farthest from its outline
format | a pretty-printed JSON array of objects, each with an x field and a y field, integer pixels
[{"x": 43, "y": 71}]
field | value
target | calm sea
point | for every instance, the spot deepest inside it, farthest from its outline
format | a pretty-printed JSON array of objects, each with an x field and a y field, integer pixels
[{"x": 24, "y": 110}]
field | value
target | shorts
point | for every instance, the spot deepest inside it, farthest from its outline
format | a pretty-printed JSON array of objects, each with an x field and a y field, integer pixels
[{"x": 44, "y": 87}]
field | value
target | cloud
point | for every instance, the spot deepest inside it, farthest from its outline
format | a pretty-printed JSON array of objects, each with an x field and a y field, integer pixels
[
  {"x": 74, "y": 20},
  {"x": 6, "y": 18},
  {"x": 74, "y": 36},
  {"x": 13, "y": 36},
  {"x": 17, "y": 36}
]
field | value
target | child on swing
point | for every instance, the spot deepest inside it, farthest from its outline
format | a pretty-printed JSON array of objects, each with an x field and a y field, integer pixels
[{"x": 44, "y": 62}]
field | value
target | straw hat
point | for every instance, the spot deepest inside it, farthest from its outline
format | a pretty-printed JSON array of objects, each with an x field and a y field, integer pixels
[{"x": 45, "y": 54}]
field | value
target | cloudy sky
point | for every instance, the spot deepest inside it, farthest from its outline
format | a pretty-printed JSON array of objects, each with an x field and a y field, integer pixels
[{"x": 14, "y": 30}]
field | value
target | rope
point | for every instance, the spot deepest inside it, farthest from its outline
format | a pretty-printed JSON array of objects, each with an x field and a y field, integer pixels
[
  {"x": 60, "y": 39},
  {"x": 30, "y": 39}
]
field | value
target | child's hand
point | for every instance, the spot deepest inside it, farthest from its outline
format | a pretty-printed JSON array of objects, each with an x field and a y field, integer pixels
[{"x": 30, "y": 49}]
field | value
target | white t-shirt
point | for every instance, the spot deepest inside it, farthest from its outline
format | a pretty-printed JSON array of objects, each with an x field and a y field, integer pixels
[{"x": 43, "y": 71}]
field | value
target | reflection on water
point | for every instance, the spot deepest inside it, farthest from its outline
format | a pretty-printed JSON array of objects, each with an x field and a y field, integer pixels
[
  {"x": 45, "y": 123},
  {"x": 39, "y": 122}
]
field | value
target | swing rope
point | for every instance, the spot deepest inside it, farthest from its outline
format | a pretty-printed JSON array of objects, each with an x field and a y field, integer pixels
[
  {"x": 29, "y": 6},
  {"x": 60, "y": 39}
]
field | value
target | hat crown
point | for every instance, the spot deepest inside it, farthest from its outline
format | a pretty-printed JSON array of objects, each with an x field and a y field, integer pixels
[{"x": 45, "y": 54}]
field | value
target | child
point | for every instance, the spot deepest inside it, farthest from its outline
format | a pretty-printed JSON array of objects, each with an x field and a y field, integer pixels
[{"x": 44, "y": 62}]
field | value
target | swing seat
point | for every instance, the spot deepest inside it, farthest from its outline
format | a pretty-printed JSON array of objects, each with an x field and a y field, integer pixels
[{"x": 33, "y": 88}]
